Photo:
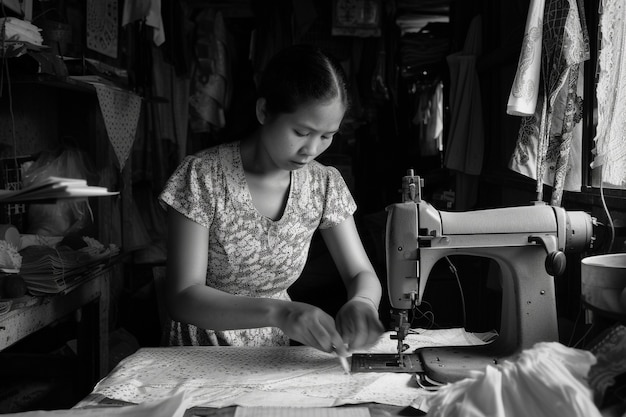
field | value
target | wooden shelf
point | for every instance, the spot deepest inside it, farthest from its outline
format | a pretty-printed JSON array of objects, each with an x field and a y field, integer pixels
[{"x": 90, "y": 301}]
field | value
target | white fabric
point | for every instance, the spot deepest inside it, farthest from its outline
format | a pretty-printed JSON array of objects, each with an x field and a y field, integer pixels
[
  {"x": 525, "y": 89},
  {"x": 547, "y": 380},
  {"x": 294, "y": 376},
  {"x": 610, "y": 140},
  {"x": 150, "y": 10},
  {"x": 525, "y": 155},
  {"x": 550, "y": 134}
]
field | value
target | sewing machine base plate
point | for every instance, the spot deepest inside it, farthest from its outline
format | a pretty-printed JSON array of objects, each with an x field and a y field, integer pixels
[
  {"x": 385, "y": 362},
  {"x": 452, "y": 363}
]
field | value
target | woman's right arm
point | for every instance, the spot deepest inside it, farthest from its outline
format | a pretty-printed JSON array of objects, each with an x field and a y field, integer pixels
[{"x": 190, "y": 300}]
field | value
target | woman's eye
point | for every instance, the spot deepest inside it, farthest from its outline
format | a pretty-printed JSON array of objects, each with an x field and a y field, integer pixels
[
  {"x": 300, "y": 133},
  {"x": 327, "y": 137}
]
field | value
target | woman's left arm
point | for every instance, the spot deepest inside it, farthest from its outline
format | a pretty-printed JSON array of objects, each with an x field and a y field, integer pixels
[{"x": 357, "y": 321}]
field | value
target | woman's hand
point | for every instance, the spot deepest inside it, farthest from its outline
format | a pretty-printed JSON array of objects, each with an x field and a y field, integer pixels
[
  {"x": 358, "y": 323},
  {"x": 311, "y": 326}
]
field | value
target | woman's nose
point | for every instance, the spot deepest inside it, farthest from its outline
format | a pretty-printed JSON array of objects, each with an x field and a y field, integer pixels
[{"x": 312, "y": 146}]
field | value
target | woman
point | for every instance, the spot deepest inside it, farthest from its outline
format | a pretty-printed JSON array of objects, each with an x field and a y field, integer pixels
[{"x": 241, "y": 216}]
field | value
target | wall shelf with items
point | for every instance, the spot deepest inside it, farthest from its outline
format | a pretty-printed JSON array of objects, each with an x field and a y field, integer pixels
[{"x": 45, "y": 114}]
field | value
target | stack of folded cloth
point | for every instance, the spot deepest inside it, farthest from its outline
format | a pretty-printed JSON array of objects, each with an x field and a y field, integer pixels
[{"x": 58, "y": 268}]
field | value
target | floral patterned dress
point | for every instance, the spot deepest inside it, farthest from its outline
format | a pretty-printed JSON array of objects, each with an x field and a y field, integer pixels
[{"x": 250, "y": 254}]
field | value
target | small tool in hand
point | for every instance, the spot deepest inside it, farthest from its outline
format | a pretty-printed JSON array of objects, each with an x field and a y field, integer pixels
[{"x": 343, "y": 360}]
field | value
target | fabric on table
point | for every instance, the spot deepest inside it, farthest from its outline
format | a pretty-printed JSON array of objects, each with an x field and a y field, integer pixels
[
  {"x": 545, "y": 381},
  {"x": 221, "y": 376}
]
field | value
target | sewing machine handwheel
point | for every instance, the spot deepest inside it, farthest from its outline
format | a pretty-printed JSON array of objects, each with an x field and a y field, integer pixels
[{"x": 555, "y": 263}]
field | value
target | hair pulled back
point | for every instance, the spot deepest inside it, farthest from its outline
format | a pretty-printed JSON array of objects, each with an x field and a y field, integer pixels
[{"x": 299, "y": 74}]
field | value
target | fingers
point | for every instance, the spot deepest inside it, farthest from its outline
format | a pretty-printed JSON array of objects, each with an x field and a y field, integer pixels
[
  {"x": 363, "y": 335},
  {"x": 326, "y": 338},
  {"x": 368, "y": 335},
  {"x": 359, "y": 325},
  {"x": 311, "y": 326}
]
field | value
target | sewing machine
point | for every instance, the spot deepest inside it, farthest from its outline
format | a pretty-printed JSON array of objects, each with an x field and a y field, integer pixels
[{"x": 528, "y": 244}]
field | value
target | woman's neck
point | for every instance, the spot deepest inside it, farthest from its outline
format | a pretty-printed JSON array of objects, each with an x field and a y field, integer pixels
[{"x": 257, "y": 162}]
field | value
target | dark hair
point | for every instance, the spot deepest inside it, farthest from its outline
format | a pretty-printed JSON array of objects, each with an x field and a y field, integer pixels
[{"x": 299, "y": 74}]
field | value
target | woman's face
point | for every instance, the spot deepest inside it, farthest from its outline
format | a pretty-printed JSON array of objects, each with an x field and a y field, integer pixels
[{"x": 292, "y": 140}]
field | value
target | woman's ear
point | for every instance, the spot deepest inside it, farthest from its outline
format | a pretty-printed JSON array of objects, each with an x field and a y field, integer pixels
[{"x": 261, "y": 113}]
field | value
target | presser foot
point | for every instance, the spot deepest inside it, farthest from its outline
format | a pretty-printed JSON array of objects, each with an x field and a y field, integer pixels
[{"x": 386, "y": 362}]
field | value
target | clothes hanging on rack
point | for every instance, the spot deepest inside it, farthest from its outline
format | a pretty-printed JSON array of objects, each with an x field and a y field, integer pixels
[
  {"x": 549, "y": 140},
  {"x": 429, "y": 116},
  {"x": 211, "y": 88},
  {"x": 466, "y": 139},
  {"x": 525, "y": 89},
  {"x": 464, "y": 149},
  {"x": 610, "y": 139}
]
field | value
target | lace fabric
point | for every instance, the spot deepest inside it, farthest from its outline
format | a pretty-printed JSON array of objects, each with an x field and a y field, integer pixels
[
  {"x": 549, "y": 141},
  {"x": 525, "y": 89},
  {"x": 610, "y": 139}
]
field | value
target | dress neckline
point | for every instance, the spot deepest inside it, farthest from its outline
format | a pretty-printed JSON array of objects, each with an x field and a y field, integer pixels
[{"x": 245, "y": 194}]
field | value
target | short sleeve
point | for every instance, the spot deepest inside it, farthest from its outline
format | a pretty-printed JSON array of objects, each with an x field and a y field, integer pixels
[
  {"x": 190, "y": 190},
  {"x": 339, "y": 203}
]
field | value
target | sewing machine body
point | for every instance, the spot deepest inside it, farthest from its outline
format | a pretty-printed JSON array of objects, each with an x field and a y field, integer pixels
[{"x": 526, "y": 242}]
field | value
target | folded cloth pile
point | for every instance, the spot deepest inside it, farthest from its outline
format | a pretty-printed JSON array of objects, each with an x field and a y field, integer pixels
[
  {"x": 548, "y": 380},
  {"x": 15, "y": 29},
  {"x": 10, "y": 259}
]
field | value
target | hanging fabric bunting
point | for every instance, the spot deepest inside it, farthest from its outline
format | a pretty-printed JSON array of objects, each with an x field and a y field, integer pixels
[{"x": 120, "y": 110}]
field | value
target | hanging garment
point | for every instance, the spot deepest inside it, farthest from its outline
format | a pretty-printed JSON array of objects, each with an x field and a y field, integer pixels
[
  {"x": 610, "y": 139},
  {"x": 466, "y": 139},
  {"x": 549, "y": 140},
  {"x": 210, "y": 85},
  {"x": 523, "y": 96},
  {"x": 173, "y": 104},
  {"x": 148, "y": 10},
  {"x": 429, "y": 117},
  {"x": 465, "y": 145}
]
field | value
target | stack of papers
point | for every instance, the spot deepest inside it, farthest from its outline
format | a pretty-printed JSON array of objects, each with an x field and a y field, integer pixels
[
  {"x": 54, "y": 188},
  {"x": 53, "y": 270}
]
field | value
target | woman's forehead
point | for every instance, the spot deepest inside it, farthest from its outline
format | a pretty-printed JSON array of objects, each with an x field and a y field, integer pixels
[{"x": 319, "y": 115}]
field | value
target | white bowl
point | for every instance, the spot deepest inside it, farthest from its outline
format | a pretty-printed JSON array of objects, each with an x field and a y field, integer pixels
[{"x": 603, "y": 282}]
